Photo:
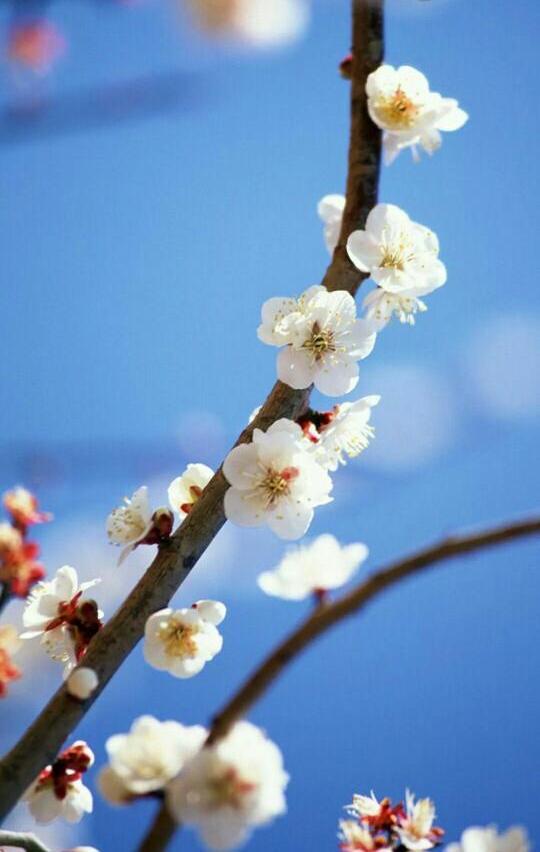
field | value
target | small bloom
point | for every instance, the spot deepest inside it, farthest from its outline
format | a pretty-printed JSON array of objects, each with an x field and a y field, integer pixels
[
  {"x": 23, "y": 507},
  {"x": 82, "y": 682},
  {"x": 36, "y": 45},
  {"x": 400, "y": 103},
  {"x": 255, "y": 22},
  {"x": 416, "y": 830},
  {"x": 230, "y": 787},
  {"x": 322, "y": 339},
  {"x": 185, "y": 490},
  {"x": 56, "y": 611},
  {"x": 130, "y": 524},
  {"x": 377, "y": 816},
  {"x": 355, "y": 838},
  {"x": 148, "y": 757},
  {"x": 345, "y": 432},
  {"x": 330, "y": 210},
  {"x": 181, "y": 642},
  {"x": 324, "y": 564},
  {"x": 275, "y": 480},
  {"x": 9, "y": 644},
  {"x": 477, "y": 839},
  {"x": 58, "y": 791},
  {"x": 18, "y": 568}
]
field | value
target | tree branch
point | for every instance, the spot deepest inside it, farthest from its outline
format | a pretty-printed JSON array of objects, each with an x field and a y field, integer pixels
[
  {"x": 5, "y": 596},
  {"x": 22, "y": 841},
  {"x": 40, "y": 744}
]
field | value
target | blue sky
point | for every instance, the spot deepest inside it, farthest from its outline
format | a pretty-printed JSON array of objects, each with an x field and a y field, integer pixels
[{"x": 136, "y": 256}]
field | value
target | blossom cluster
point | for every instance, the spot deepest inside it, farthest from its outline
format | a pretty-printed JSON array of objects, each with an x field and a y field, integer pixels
[
  {"x": 19, "y": 569},
  {"x": 380, "y": 825}
]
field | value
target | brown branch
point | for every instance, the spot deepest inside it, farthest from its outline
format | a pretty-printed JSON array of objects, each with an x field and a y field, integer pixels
[
  {"x": 5, "y": 596},
  {"x": 161, "y": 832},
  {"x": 40, "y": 744}
]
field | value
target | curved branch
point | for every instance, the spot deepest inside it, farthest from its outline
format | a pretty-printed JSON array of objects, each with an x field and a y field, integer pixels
[
  {"x": 22, "y": 841},
  {"x": 40, "y": 744}
]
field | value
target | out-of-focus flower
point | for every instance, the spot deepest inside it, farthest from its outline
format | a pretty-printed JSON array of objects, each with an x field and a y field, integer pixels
[
  {"x": 185, "y": 490},
  {"x": 321, "y": 337},
  {"x": 182, "y": 641},
  {"x": 276, "y": 481},
  {"x": 23, "y": 507},
  {"x": 416, "y": 830},
  {"x": 330, "y": 210},
  {"x": 82, "y": 682},
  {"x": 313, "y": 568},
  {"x": 256, "y": 22},
  {"x": 479, "y": 839},
  {"x": 66, "y": 622},
  {"x": 147, "y": 758},
  {"x": 36, "y": 45},
  {"x": 9, "y": 644},
  {"x": 59, "y": 791},
  {"x": 18, "y": 568},
  {"x": 355, "y": 838},
  {"x": 400, "y": 103},
  {"x": 230, "y": 787}
]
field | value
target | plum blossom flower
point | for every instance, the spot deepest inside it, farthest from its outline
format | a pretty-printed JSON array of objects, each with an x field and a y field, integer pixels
[
  {"x": 275, "y": 480},
  {"x": 314, "y": 568},
  {"x": 415, "y": 829},
  {"x": 82, "y": 682},
  {"x": 18, "y": 568},
  {"x": 59, "y": 791},
  {"x": 185, "y": 490},
  {"x": 401, "y": 104},
  {"x": 355, "y": 838},
  {"x": 9, "y": 644},
  {"x": 402, "y": 257},
  {"x": 479, "y": 839},
  {"x": 230, "y": 787},
  {"x": 330, "y": 209},
  {"x": 23, "y": 507},
  {"x": 321, "y": 337},
  {"x": 147, "y": 758},
  {"x": 181, "y": 642},
  {"x": 345, "y": 431},
  {"x": 255, "y": 22},
  {"x": 66, "y": 622},
  {"x": 130, "y": 524}
]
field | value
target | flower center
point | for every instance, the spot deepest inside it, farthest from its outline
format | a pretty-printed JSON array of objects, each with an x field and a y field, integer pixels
[
  {"x": 177, "y": 639},
  {"x": 276, "y": 484},
  {"x": 397, "y": 111},
  {"x": 229, "y": 789},
  {"x": 320, "y": 342}
]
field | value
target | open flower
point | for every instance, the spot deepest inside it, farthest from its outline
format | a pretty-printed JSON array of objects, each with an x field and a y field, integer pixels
[
  {"x": 182, "y": 641},
  {"x": 59, "y": 790},
  {"x": 400, "y": 103},
  {"x": 345, "y": 431},
  {"x": 330, "y": 210},
  {"x": 313, "y": 568},
  {"x": 9, "y": 644},
  {"x": 130, "y": 524},
  {"x": 477, "y": 839},
  {"x": 147, "y": 758},
  {"x": 322, "y": 339},
  {"x": 416, "y": 830},
  {"x": 66, "y": 622},
  {"x": 276, "y": 481},
  {"x": 402, "y": 257},
  {"x": 230, "y": 787},
  {"x": 23, "y": 507},
  {"x": 185, "y": 490}
]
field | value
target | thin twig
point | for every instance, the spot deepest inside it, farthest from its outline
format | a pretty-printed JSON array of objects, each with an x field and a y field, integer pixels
[
  {"x": 325, "y": 617},
  {"x": 41, "y": 742},
  {"x": 22, "y": 841},
  {"x": 161, "y": 832}
]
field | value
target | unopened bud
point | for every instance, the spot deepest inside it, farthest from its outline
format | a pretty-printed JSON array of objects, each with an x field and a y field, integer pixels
[
  {"x": 82, "y": 682},
  {"x": 345, "y": 67}
]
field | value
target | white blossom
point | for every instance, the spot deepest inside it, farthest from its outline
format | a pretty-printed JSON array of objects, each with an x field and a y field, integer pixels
[
  {"x": 355, "y": 838},
  {"x": 321, "y": 337},
  {"x": 185, "y": 490},
  {"x": 130, "y": 524},
  {"x": 365, "y": 806},
  {"x": 330, "y": 210},
  {"x": 480, "y": 839},
  {"x": 275, "y": 480},
  {"x": 255, "y": 22},
  {"x": 230, "y": 787},
  {"x": 148, "y": 757},
  {"x": 400, "y": 103},
  {"x": 47, "y": 610},
  {"x": 415, "y": 831},
  {"x": 316, "y": 567},
  {"x": 402, "y": 257},
  {"x": 348, "y": 432},
  {"x": 45, "y": 806},
  {"x": 182, "y": 641},
  {"x": 82, "y": 682}
]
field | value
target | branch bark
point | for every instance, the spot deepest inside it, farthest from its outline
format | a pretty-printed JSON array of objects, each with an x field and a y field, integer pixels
[
  {"x": 5, "y": 596},
  {"x": 22, "y": 841},
  {"x": 326, "y": 616},
  {"x": 40, "y": 744}
]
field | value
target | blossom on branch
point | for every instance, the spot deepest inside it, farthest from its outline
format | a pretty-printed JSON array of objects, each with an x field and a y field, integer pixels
[
  {"x": 59, "y": 791},
  {"x": 321, "y": 337},
  {"x": 23, "y": 507},
  {"x": 402, "y": 257},
  {"x": 136, "y": 523},
  {"x": 355, "y": 838},
  {"x": 382, "y": 825},
  {"x": 230, "y": 787},
  {"x": 478, "y": 839},
  {"x": 330, "y": 209},
  {"x": 9, "y": 644},
  {"x": 415, "y": 829},
  {"x": 185, "y": 490},
  {"x": 313, "y": 569},
  {"x": 275, "y": 480},
  {"x": 66, "y": 622},
  {"x": 147, "y": 758},
  {"x": 345, "y": 431},
  {"x": 182, "y": 641},
  {"x": 18, "y": 567},
  {"x": 401, "y": 104}
]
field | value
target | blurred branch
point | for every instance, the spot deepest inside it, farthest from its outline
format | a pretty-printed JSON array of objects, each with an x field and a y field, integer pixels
[
  {"x": 4, "y": 596},
  {"x": 327, "y": 616},
  {"x": 40, "y": 744},
  {"x": 22, "y": 841}
]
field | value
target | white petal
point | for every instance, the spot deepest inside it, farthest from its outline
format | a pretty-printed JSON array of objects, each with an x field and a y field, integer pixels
[
  {"x": 294, "y": 368},
  {"x": 243, "y": 510},
  {"x": 241, "y": 468},
  {"x": 212, "y": 611}
]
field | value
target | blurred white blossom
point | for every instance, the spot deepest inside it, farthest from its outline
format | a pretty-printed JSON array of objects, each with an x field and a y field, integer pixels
[
  {"x": 478, "y": 839},
  {"x": 255, "y": 22},
  {"x": 59, "y": 792}
]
